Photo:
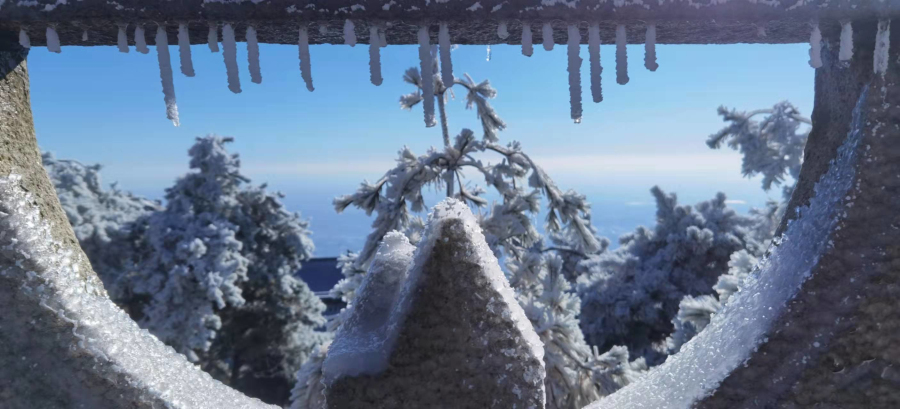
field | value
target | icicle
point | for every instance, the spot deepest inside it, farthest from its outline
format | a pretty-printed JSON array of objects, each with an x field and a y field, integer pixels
[
  {"x": 596, "y": 68},
  {"x": 229, "y": 51},
  {"x": 574, "y": 49},
  {"x": 53, "y": 40},
  {"x": 382, "y": 37},
  {"x": 446, "y": 62},
  {"x": 323, "y": 29},
  {"x": 24, "y": 40},
  {"x": 165, "y": 74},
  {"x": 305, "y": 65},
  {"x": 815, "y": 47},
  {"x": 349, "y": 33},
  {"x": 846, "y": 52},
  {"x": 502, "y": 31},
  {"x": 253, "y": 55},
  {"x": 882, "y": 46},
  {"x": 184, "y": 50},
  {"x": 489, "y": 52},
  {"x": 547, "y": 33},
  {"x": 84, "y": 35},
  {"x": 122, "y": 39},
  {"x": 527, "y": 48},
  {"x": 621, "y": 56},
  {"x": 374, "y": 55},
  {"x": 140, "y": 42},
  {"x": 212, "y": 38},
  {"x": 650, "y": 48},
  {"x": 427, "y": 75}
]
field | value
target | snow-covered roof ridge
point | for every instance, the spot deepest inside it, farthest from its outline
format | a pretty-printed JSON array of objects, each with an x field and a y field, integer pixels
[
  {"x": 97, "y": 355},
  {"x": 456, "y": 331},
  {"x": 748, "y": 318}
]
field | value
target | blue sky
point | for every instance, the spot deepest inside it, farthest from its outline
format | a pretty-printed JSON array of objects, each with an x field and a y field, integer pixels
[{"x": 97, "y": 105}]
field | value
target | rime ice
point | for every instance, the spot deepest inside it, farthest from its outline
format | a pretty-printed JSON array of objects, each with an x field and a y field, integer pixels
[
  {"x": 574, "y": 69},
  {"x": 650, "y": 48},
  {"x": 165, "y": 73},
  {"x": 253, "y": 56},
  {"x": 815, "y": 47},
  {"x": 446, "y": 62},
  {"x": 24, "y": 41},
  {"x": 882, "y": 46},
  {"x": 846, "y": 51},
  {"x": 184, "y": 50},
  {"x": 212, "y": 37},
  {"x": 374, "y": 55},
  {"x": 140, "y": 41},
  {"x": 53, "y": 40},
  {"x": 527, "y": 48},
  {"x": 229, "y": 52},
  {"x": 594, "y": 55},
  {"x": 305, "y": 64},
  {"x": 547, "y": 34},
  {"x": 349, "y": 33},
  {"x": 621, "y": 56},
  {"x": 122, "y": 39},
  {"x": 426, "y": 66}
]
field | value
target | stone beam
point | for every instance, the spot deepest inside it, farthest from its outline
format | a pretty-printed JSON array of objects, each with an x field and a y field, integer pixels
[{"x": 471, "y": 21}]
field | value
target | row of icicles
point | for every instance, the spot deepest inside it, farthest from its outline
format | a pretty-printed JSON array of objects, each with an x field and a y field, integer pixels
[{"x": 378, "y": 40}]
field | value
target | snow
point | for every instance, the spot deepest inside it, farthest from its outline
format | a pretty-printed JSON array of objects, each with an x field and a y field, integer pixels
[
  {"x": 502, "y": 31},
  {"x": 815, "y": 47},
  {"x": 846, "y": 51},
  {"x": 527, "y": 48},
  {"x": 253, "y": 55},
  {"x": 305, "y": 64},
  {"x": 650, "y": 48},
  {"x": 110, "y": 344},
  {"x": 374, "y": 55},
  {"x": 735, "y": 332},
  {"x": 359, "y": 344},
  {"x": 621, "y": 56},
  {"x": 573, "y": 49},
  {"x": 184, "y": 50},
  {"x": 165, "y": 73},
  {"x": 140, "y": 42},
  {"x": 24, "y": 40},
  {"x": 229, "y": 51},
  {"x": 212, "y": 38},
  {"x": 547, "y": 34},
  {"x": 445, "y": 48},
  {"x": 882, "y": 46},
  {"x": 349, "y": 33},
  {"x": 426, "y": 66},
  {"x": 122, "y": 39},
  {"x": 53, "y": 40},
  {"x": 596, "y": 68}
]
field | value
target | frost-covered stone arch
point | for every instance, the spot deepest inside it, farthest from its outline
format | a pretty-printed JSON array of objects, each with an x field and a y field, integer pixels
[{"x": 837, "y": 344}]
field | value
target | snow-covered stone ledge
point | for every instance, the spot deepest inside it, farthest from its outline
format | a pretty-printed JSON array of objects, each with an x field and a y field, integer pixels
[
  {"x": 440, "y": 328},
  {"x": 470, "y": 21}
]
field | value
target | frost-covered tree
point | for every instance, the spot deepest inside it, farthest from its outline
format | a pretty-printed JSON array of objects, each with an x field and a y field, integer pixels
[
  {"x": 774, "y": 149},
  {"x": 101, "y": 218},
  {"x": 631, "y": 295},
  {"x": 581, "y": 374},
  {"x": 215, "y": 276}
]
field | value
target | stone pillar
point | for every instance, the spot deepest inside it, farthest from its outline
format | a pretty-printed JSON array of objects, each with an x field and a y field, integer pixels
[{"x": 838, "y": 344}]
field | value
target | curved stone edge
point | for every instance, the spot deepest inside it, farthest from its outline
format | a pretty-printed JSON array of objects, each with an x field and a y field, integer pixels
[{"x": 63, "y": 343}]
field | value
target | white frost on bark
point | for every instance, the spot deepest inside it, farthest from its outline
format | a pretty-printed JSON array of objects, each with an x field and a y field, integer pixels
[
  {"x": 446, "y": 61},
  {"x": 184, "y": 50},
  {"x": 229, "y": 51},
  {"x": 596, "y": 68},
  {"x": 305, "y": 65},
  {"x": 165, "y": 74},
  {"x": 621, "y": 56},
  {"x": 574, "y": 48},
  {"x": 253, "y": 55}
]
